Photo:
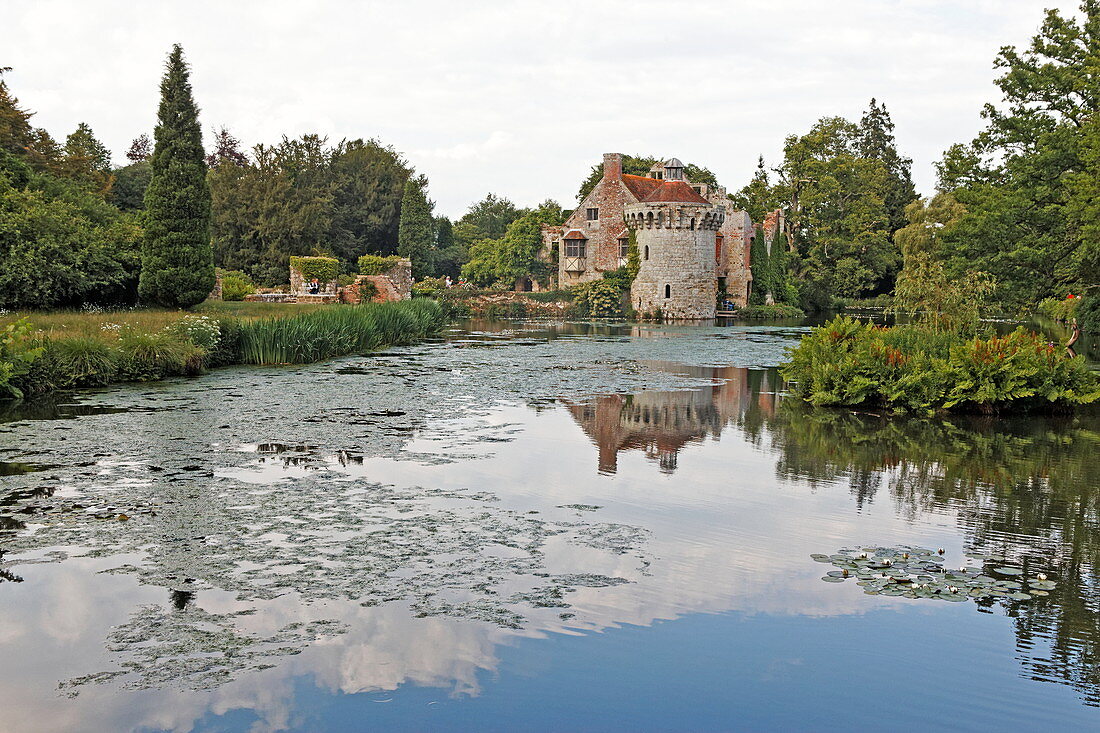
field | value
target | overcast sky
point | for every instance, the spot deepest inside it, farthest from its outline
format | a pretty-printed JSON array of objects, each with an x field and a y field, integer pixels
[{"x": 521, "y": 98}]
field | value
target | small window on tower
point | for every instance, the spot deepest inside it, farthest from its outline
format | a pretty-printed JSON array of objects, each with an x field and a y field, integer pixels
[
  {"x": 593, "y": 214},
  {"x": 668, "y": 291}
]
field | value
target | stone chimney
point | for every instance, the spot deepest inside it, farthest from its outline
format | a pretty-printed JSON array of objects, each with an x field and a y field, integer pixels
[{"x": 612, "y": 166}]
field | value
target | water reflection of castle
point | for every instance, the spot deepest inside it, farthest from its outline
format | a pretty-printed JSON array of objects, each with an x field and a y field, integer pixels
[{"x": 661, "y": 423}]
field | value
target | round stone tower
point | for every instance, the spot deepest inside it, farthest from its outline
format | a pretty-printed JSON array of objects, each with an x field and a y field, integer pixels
[{"x": 675, "y": 228}]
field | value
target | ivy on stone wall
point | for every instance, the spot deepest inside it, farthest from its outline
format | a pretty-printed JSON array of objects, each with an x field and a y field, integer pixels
[
  {"x": 322, "y": 269},
  {"x": 377, "y": 264}
]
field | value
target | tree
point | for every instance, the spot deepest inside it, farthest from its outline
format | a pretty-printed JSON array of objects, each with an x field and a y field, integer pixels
[
  {"x": 60, "y": 244},
  {"x": 779, "y": 282},
  {"x": 837, "y": 212},
  {"x": 87, "y": 159},
  {"x": 758, "y": 197},
  {"x": 487, "y": 219},
  {"x": 141, "y": 149},
  {"x": 416, "y": 230},
  {"x": 128, "y": 190},
  {"x": 876, "y": 141},
  {"x": 177, "y": 261},
  {"x": 368, "y": 183},
  {"x": 1027, "y": 179},
  {"x": 517, "y": 254},
  {"x": 227, "y": 149},
  {"x": 450, "y": 254},
  {"x": 19, "y": 137},
  {"x": 758, "y": 265}
]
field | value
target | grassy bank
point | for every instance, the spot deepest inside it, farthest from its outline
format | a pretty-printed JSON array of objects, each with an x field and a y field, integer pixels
[
  {"x": 45, "y": 352},
  {"x": 914, "y": 369}
]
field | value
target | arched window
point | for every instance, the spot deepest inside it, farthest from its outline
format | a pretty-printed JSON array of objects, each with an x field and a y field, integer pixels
[
  {"x": 692, "y": 225},
  {"x": 647, "y": 251},
  {"x": 668, "y": 291}
]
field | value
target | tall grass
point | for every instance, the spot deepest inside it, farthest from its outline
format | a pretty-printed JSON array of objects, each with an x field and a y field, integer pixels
[
  {"x": 80, "y": 352},
  {"x": 338, "y": 331}
]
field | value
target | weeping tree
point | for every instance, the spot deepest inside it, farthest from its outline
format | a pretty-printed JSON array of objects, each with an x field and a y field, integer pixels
[{"x": 177, "y": 260}]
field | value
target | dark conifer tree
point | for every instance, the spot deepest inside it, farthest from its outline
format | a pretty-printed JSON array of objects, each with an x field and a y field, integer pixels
[
  {"x": 759, "y": 266},
  {"x": 416, "y": 227},
  {"x": 177, "y": 261},
  {"x": 777, "y": 267},
  {"x": 876, "y": 141}
]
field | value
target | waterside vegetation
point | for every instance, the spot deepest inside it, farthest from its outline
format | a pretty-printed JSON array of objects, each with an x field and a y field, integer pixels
[
  {"x": 918, "y": 370},
  {"x": 66, "y": 351}
]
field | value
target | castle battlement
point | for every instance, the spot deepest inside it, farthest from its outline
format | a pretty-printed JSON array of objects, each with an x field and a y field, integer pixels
[{"x": 669, "y": 215}]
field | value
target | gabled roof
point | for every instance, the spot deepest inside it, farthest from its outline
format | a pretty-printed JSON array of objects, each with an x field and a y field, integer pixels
[
  {"x": 640, "y": 186},
  {"x": 575, "y": 234},
  {"x": 674, "y": 191}
]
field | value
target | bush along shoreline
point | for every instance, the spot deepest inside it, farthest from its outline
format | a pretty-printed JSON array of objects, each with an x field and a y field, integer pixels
[
  {"x": 910, "y": 369},
  {"x": 31, "y": 363}
]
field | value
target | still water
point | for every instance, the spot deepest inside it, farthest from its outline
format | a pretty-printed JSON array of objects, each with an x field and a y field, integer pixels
[{"x": 533, "y": 527}]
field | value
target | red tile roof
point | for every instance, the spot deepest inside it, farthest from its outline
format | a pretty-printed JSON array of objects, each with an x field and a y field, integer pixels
[
  {"x": 640, "y": 186},
  {"x": 575, "y": 234},
  {"x": 674, "y": 191}
]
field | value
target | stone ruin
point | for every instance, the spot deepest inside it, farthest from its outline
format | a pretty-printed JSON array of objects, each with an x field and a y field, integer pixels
[{"x": 394, "y": 284}]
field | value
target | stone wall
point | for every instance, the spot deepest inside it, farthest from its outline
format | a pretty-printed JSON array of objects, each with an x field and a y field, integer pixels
[
  {"x": 298, "y": 285},
  {"x": 733, "y": 261},
  {"x": 676, "y": 243},
  {"x": 395, "y": 284}
]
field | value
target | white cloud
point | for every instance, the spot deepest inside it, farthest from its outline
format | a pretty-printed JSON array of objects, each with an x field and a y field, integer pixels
[{"x": 522, "y": 98}]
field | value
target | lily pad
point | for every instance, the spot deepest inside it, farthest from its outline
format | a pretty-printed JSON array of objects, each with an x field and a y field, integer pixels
[{"x": 1008, "y": 571}]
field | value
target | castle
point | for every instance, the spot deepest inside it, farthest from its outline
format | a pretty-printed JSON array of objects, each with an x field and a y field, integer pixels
[{"x": 691, "y": 244}]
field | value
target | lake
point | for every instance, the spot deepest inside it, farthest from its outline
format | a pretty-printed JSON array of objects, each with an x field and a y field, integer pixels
[{"x": 526, "y": 526}]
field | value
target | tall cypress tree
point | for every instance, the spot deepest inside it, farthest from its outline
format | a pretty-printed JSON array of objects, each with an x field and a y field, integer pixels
[
  {"x": 777, "y": 266},
  {"x": 759, "y": 266},
  {"x": 416, "y": 227},
  {"x": 177, "y": 261}
]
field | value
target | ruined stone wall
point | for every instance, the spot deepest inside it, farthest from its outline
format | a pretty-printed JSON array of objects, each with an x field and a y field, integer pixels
[
  {"x": 733, "y": 263},
  {"x": 676, "y": 244},
  {"x": 299, "y": 286}
]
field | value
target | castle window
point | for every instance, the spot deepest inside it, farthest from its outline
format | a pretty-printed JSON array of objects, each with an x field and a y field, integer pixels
[
  {"x": 576, "y": 247},
  {"x": 668, "y": 291},
  {"x": 647, "y": 251},
  {"x": 624, "y": 248},
  {"x": 593, "y": 214}
]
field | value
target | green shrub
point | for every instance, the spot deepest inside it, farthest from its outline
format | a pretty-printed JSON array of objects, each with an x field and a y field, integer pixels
[
  {"x": 227, "y": 349},
  {"x": 202, "y": 331},
  {"x": 146, "y": 357},
  {"x": 598, "y": 299},
  {"x": 377, "y": 264},
  {"x": 913, "y": 369},
  {"x": 236, "y": 285},
  {"x": 17, "y": 354},
  {"x": 81, "y": 362},
  {"x": 429, "y": 287},
  {"x": 1088, "y": 314},
  {"x": 322, "y": 269}
]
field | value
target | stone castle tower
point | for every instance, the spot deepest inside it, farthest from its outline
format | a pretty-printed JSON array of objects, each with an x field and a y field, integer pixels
[{"x": 676, "y": 229}]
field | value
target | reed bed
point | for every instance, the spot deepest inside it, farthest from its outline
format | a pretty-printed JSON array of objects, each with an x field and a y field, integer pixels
[{"x": 91, "y": 350}]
